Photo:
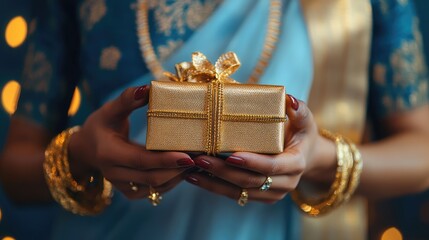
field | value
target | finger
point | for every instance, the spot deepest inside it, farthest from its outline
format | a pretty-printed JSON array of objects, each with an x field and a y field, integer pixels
[
  {"x": 143, "y": 191},
  {"x": 120, "y": 152},
  {"x": 153, "y": 178},
  {"x": 298, "y": 113},
  {"x": 286, "y": 163},
  {"x": 226, "y": 189},
  {"x": 129, "y": 100},
  {"x": 241, "y": 177}
]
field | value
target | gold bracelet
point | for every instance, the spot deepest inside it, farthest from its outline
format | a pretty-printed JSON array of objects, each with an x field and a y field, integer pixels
[
  {"x": 64, "y": 188},
  {"x": 355, "y": 172},
  {"x": 341, "y": 189}
]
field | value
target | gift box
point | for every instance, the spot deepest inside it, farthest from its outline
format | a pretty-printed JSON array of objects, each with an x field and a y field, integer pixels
[{"x": 203, "y": 110}]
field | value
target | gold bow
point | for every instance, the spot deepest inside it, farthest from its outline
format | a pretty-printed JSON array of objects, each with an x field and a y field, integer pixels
[{"x": 202, "y": 70}]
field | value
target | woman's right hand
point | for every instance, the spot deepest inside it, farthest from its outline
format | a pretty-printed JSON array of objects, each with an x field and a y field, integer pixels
[{"x": 103, "y": 145}]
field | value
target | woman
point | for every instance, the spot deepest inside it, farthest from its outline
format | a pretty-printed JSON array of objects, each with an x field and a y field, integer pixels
[{"x": 101, "y": 48}]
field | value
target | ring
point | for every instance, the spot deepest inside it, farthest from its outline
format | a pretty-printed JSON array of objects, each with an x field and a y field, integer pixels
[
  {"x": 154, "y": 197},
  {"x": 266, "y": 185},
  {"x": 133, "y": 186},
  {"x": 244, "y": 197}
]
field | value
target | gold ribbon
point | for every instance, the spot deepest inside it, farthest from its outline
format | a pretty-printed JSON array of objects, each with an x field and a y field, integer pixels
[{"x": 201, "y": 70}]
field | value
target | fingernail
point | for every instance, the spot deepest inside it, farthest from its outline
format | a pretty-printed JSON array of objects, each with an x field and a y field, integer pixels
[
  {"x": 235, "y": 160},
  {"x": 294, "y": 103},
  {"x": 202, "y": 163},
  {"x": 185, "y": 162},
  {"x": 192, "y": 180},
  {"x": 139, "y": 93}
]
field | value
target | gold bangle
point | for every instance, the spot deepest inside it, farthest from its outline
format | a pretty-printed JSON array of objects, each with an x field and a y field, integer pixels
[
  {"x": 316, "y": 207},
  {"x": 64, "y": 188},
  {"x": 355, "y": 172}
]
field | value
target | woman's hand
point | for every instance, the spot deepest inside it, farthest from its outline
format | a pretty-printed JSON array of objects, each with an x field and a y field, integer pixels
[
  {"x": 102, "y": 145},
  {"x": 249, "y": 171}
]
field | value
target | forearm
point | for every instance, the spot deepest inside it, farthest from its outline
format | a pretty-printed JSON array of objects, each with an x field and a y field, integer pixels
[
  {"x": 21, "y": 163},
  {"x": 396, "y": 166},
  {"x": 21, "y": 173}
]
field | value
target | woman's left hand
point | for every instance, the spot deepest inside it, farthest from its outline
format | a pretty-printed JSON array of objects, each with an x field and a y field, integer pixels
[{"x": 244, "y": 170}]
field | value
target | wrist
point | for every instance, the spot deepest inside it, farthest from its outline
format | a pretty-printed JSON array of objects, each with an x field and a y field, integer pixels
[
  {"x": 85, "y": 199},
  {"x": 80, "y": 169},
  {"x": 347, "y": 175},
  {"x": 324, "y": 162}
]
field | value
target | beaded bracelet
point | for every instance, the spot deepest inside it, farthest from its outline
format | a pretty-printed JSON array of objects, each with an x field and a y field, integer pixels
[{"x": 64, "y": 188}]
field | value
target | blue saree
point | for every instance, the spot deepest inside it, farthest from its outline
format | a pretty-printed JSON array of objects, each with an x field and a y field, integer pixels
[{"x": 188, "y": 212}]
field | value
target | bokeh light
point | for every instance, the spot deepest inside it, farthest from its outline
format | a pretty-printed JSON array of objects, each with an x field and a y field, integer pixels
[
  {"x": 8, "y": 238},
  {"x": 391, "y": 234},
  {"x": 16, "y": 31},
  {"x": 0, "y": 215},
  {"x": 10, "y": 96},
  {"x": 75, "y": 103}
]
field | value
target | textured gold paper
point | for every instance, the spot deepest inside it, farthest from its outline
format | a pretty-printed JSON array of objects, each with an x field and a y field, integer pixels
[{"x": 250, "y": 117}]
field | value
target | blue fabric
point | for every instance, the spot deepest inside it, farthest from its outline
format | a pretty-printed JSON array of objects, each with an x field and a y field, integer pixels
[
  {"x": 26, "y": 222},
  {"x": 188, "y": 212},
  {"x": 398, "y": 73}
]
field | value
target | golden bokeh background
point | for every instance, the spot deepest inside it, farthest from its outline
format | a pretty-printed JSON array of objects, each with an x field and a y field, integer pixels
[
  {"x": 16, "y": 31},
  {"x": 8, "y": 238},
  {"x": 391, "y": 234},
  {"x": 10, "y": 96}
]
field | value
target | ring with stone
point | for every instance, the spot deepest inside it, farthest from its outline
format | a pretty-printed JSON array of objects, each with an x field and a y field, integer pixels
[{"x": 266, "y": 185}]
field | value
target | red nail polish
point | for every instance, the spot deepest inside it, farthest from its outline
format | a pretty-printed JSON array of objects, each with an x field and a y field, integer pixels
[
  {"x": 294, "y": 103},
  {"x": 185, "y": 162},
  {"x": 139, "y": 93},
  {"x": 235, "y": 160},
  {"x": 192, "y": 180},
  {"x": 202, "y": 163}
]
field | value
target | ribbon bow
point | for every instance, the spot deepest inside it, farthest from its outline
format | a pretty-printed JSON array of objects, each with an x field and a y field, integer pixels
[{"x": 202, "y": 70}]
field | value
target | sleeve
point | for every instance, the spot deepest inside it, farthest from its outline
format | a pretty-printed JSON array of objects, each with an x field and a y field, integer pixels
[
  {"x": 51, "y": 65},
  {"x": 398, "y": 74}
]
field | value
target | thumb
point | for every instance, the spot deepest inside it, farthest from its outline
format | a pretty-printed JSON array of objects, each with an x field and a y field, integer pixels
[
  {"x": 299, "y": 114},
  {"x": 129, "y": 100}
]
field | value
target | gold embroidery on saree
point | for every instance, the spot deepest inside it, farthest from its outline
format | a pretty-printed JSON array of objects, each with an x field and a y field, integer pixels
[
  {"x": 165, "y": 50},
  {"x": 37, "y": 70},
  {"x": 408, "y": 66},
  {"x": 407, "y": 61},
  {"x": 91, "y": 11},
  {"x": 181, "y": 14},
  {"x": 109, "y": 58}
]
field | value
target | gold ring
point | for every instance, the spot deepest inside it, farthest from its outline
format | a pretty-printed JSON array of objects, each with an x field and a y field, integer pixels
[
  {"x": 133, "y": 186},
  {"x": 244, "y": 197},
  {"x": 266, "y": 185},
  {"x": 154, "y": 197}
]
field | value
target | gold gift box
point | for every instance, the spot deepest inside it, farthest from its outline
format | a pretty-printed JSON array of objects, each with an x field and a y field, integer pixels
[{"x": 203, "y": 110}]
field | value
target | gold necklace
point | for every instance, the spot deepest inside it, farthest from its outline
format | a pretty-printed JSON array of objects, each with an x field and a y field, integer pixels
[{"x": 154, "y": 65}]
